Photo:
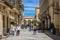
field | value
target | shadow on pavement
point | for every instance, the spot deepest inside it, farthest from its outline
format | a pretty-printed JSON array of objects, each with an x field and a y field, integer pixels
[{"x": 54, "y": 37}]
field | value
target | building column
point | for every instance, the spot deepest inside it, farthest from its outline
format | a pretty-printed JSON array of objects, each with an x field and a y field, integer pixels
[
  {"x": 59, "y": 23},
  {"x": 1, "y": 25},
  {"x": 59, "y": 17},
  {"x": 4, "y": 24},
  {"x": 45, "y": 23},
  {"x": 49, "y": 23},
  {"x": 56, "y": 22},
  {"x": 8, "y": 25}
]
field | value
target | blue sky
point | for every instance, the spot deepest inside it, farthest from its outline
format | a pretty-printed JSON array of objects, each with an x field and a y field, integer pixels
[{"x": 29, "y": 7}]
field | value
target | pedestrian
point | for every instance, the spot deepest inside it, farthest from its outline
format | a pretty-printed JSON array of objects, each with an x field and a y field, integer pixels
[
  {"x": 52, "y": 28},
  {"x": 18, "y": 30},
  {"x": 22, "y": 26},
  {"x": 29, "y": 27},
  {"x": 12, "y": 30},
  {"x": 34, "y": 29}
]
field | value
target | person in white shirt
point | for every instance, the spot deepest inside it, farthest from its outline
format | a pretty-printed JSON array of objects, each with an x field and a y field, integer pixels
[
  {"x": 12, "y": 29},
  {"x": 18, "y": 30}
]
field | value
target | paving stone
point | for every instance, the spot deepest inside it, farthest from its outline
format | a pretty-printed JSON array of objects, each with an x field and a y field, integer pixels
[{"x": 26, "y": 35}]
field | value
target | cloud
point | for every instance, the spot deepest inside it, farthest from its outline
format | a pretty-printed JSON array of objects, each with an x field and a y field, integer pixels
[
  {"x": 31, "y": 1},
  {"x": 30, "y": 5},
  {"x": 29, "y": 8},
  {"x": 31, "y": 14},
  {"x": 29, "y": 11}
]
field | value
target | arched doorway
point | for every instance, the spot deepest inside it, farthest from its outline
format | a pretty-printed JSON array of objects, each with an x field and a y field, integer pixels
[{"x": 29, "y": 21}]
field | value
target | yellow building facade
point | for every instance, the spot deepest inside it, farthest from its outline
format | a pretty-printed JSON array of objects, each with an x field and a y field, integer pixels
[
  {"x": 8, "y": 14},
  {"x": 1, "y": 25}
]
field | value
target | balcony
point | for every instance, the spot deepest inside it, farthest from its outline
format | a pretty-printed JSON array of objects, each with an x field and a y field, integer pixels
[{"x": 8, "y": 4}]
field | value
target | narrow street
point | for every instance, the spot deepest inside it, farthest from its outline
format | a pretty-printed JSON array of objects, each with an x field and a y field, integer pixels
[
  {"x": 40, "y": 16},
  {"x": 26, "y": 35}
]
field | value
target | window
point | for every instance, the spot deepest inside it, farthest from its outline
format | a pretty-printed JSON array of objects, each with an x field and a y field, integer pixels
[{"x": 12, "y": 2}]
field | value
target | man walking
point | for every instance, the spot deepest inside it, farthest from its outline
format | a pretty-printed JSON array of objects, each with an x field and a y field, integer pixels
[
  {"x": 18, "y": 30},
  {"x": 52, "y": 28}
]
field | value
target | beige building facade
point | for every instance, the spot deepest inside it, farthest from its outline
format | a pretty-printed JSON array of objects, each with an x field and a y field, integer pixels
[
  {"x": 8, "y": 14},
  {"x": 1, "y": 24},
  {"x": 37, "y": 13},
  {"x": 28, "y": 18},
  {"x": 50, "y": 13}
]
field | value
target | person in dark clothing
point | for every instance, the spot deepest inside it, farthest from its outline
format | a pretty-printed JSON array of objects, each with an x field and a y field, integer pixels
[
  {"x": 52, "y": 28},
  {"x": 30, "y": 27},
  {"x": 40, "y": 26},
  {"x": 34, "y": 30}
]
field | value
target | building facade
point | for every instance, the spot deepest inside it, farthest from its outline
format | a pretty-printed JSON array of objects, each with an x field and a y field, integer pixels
[
  {"x": 37, "y": 12},
  {"x": 10, "y": 10},
  {"x": 44, "y": 12},
  {"x": 50, "y": 13},
  {"x": 29, "y": 18}
]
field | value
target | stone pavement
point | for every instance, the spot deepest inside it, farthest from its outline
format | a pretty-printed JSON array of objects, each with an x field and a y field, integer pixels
[
  {"x": 26, "y": 35},
  {"x": 55, "y": 37}
]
